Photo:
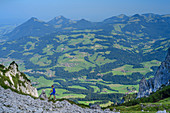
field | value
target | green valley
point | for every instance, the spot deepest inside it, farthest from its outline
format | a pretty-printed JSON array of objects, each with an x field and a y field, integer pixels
[{"x": 89, "y": 62}]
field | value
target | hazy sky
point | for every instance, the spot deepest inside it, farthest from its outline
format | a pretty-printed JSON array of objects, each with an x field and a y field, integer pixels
[{"x": 18, "y": 11}]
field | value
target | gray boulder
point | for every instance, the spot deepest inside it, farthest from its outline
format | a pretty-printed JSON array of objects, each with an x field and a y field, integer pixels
[
  {"x": 95, "y": 106},
  {"x": 43, "y": 95}
]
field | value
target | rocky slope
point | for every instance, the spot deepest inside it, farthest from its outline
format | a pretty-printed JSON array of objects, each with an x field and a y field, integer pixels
[
  {"x": 11, "y": 77},
  {"x": 14, "y": 102},
  {"x": 162, "y": 77},
  {"x": 10, "y": 101}
]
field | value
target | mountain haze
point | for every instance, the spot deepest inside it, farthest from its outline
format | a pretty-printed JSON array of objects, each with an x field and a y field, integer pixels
[{"x": 136, "y": 23}]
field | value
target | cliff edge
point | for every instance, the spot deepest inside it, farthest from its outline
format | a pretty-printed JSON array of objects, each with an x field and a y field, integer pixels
[
  {"x": 12, "y": 78},
  {"x": 162, "y": 77}
]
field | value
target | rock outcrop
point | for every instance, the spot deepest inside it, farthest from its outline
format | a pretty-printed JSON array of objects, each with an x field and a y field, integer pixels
[
  {"x": 162, "y": 77},
  {"x": 43, "y": 95},
  {"x": 11, "y": 77},
  {"x": 13, "y": 102}
]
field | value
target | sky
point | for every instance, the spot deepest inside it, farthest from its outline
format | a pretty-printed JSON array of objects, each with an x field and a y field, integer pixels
[{"x": 18, "y": 11}]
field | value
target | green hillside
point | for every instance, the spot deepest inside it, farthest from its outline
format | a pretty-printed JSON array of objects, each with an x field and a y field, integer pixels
[
  {"x": 89, "y": 62},
  {"x": 145, "y": 107},
  {"x": 159, "y": 100}
]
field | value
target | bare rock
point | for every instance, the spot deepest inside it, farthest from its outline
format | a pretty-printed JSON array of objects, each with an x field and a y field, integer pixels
[
  {"x": 11, "y": 73},
  {"x": 43, "y": 95}
]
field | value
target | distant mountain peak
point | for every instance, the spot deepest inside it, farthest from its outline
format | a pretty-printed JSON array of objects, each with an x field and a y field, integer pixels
[
  {"x": 34, "y": 19},
  {"x": 32, "y": 25},
  {"x": 59, "y": 20},
  {"x": 121, "y": 16},
  {"x": 83, "y": 20},
  {"x": 136, "y": 15},
  {"x": 136, "y": 18},
  {"x": 59, "y": 17}
]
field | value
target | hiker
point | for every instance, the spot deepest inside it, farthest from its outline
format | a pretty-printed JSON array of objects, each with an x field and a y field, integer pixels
[{"x": 53, "y": 92}]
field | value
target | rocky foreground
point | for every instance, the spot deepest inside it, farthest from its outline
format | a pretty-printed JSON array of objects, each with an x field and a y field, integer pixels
[{"x": 16, "y": 103}]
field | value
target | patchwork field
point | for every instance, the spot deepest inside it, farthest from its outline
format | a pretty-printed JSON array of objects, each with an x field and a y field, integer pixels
[
  {"x": 77, "y": 93},
  {"x": 128, "y": 69},
  {"x": 96, "y": 86},
  {"x": 80, "y": 88}
]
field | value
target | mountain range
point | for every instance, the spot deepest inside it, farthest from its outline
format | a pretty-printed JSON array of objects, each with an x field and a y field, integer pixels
[
  {"x": 148, "y": 23},
  {"x": 95, "y": 62}
]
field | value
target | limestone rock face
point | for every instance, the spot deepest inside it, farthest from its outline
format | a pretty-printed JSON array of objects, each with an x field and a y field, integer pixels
[
  {"x": 16, "y": 80},
  {"x": 13, "y": 68},
  {"x": 145, "y": 87},
  {"x": 162, "y": 77}
]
